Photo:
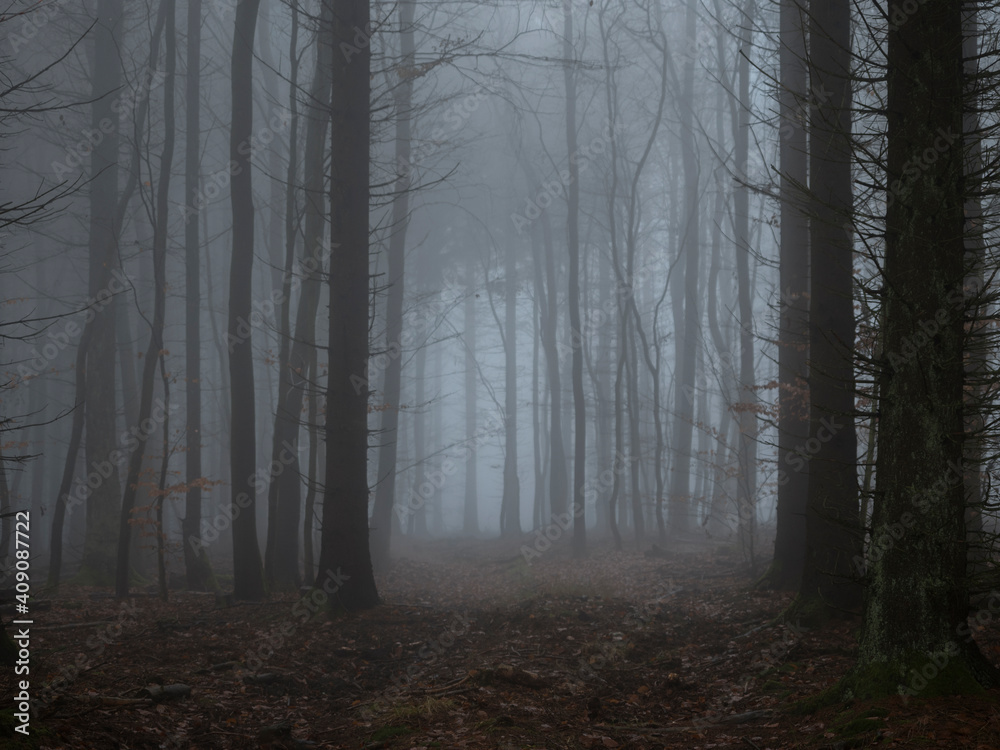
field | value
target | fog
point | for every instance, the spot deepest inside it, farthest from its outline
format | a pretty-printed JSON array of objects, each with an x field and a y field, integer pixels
[{"x": 573, "y": 258}]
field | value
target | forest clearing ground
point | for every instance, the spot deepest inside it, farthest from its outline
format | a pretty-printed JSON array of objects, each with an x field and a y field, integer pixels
[{"x": 475, "y": 648}]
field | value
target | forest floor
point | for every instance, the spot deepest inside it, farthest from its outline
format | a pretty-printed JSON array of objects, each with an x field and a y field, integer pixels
[{"x": 473, "y": 648}]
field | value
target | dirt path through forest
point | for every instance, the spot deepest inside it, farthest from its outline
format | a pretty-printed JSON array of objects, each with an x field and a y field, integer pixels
[{"x": 473, "y": 648}]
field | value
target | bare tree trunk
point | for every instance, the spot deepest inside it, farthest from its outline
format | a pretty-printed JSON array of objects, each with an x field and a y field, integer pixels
[
  {"x": 550, "y": 322},
  {"x": 536, "y": 426},
  {"x": 576, "y": 334},
  {"x": 103, "y": 501},
  {"x": 309, "y": 560},
  {"x": 155, "y": 350},
  {"x": 680, "y": 511},
  {"x": 470, "y": 515},
  {"x": 345, "y": 552},
  {"x": 248, "y": 580},
  {"x": 510, "y": 506},
  {"x": 832, "y": 537},
  {"x": 747, "y": 486},
  {"x": 634, "y": 438},
  {"x": 793, "y": 331},
  {"x": 196, "y": 565},
  {"x": 69, "y": 467},
  {"x": 304, "y": 346},
  {"x": 978, "y": 376},
  {"x": 385, "y": 478},
  {"x": 281, "y": 557},
  {"x": 418, "y": 516},
  {"x": 917, "y": 599},
  {"x": 277, "y": 191}
]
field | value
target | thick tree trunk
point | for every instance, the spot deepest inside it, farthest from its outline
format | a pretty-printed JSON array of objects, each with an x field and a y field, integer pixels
[
  {"x": 198, "y": 571},
  {"x": 385, "y": 478},
  {"x": 103, "y": 501},
  {"x": 915, "y": 638},
  {"x": 345, "y": 558},
  {"x": 793, "y": 331},
  {"x": 832, "y": 534},
  {"x": 977, "y": 372},
  {"x": 281, "y": 554},
  {"x": 248, "y": 580}
]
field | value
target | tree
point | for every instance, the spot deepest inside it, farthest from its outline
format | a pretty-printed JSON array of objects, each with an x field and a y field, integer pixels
[
  {"x": 385, "y": 488},
  {"x": 154, "y": 352},
  {"x": 793, "y": 427},
  {"x": 103, "y": 501},
  {"x": 197, "y": 568},
  {"x": 832, "y": 514},
  {"x": 345, "y": 549},
  {"x": 573, "y": 242},
  {"x": 686, "y": 340},
  {"x": 470, "y": 503},
  {"x": 314, "y": 197},
  {"x": 248, "y": 579},
  {"x": 747, "y": 485},
  {"x": 510, "y": 504},
  {"x": 915, "y": 638}
]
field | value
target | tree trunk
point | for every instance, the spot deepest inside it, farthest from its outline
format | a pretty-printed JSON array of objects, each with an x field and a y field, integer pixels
[
  {"x": 915, "y": 638},
  {"x": 385, "y": 478},
  {"x": 680, "y": 501},
  {"x": 510, "y": 505},
  {"x": 63, "y": 499},
  {"x": 304, "y": 345},
  {"x": 417, "y": 512},
  {"x": 550, "y": 324},
  {"x": 103, "y": 501},
  {"x": 747, "y": 486},
  {"x": 832, "y": 536},
  {"x": 345, "y": 557},
  {"x": 248, "y": 580},
  {"x": 793, "y": 330},
  {"x": 284, "y": 500},
  {"x": 576, "y": 334},
  {"x": 470, "y": 505},
  {"x": 155, "y": 348},
  {"x": 536, "y": 425},
  {"x": 197, "y": 568}
]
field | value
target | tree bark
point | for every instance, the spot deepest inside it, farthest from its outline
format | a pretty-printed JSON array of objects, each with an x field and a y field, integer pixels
[
  {"x": 680, "y": 501},
  {"x": 345, "y": 549},
  {"x": 103, "y": 501},
  {"x": 385, "y": 478},
  {"x": 248, "y": 580},
  {"x": 793, "y": 331},
  {"x": 470, "y": 505},
  {"x": 915, "y": 638},
  {"x": 197, "y": 568},
  {"x": 155, "y": 349},
  {"x": 510, "y": 504},
  {"x": 832, "y": 537},
  {"x": 576, "y": 334},
  {"x": 747, "y": 486}
]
